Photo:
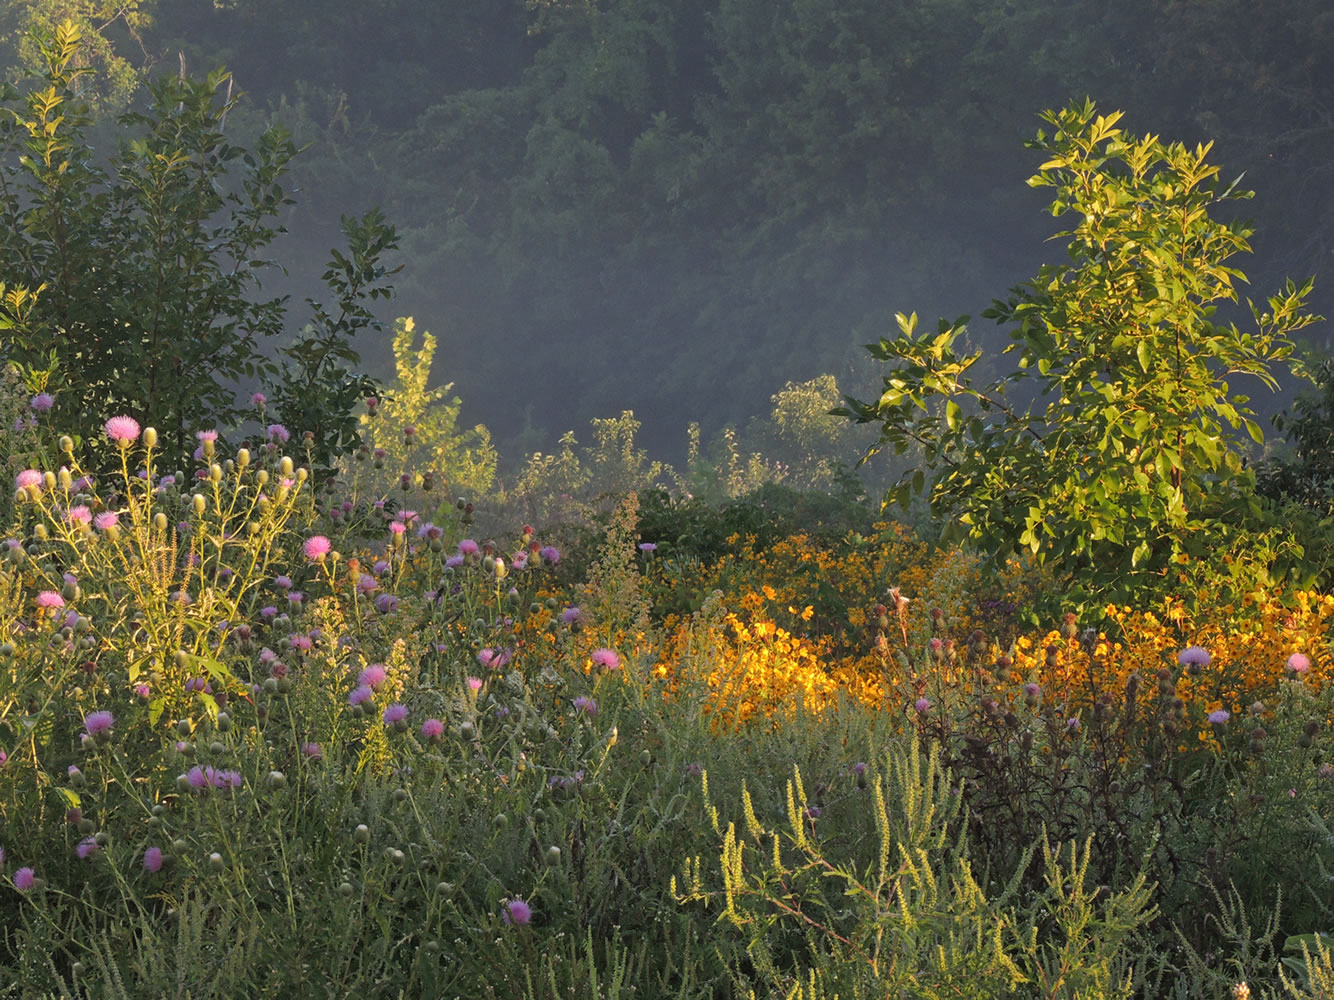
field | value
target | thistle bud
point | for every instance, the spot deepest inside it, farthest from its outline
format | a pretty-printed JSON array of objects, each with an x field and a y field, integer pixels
[
  {"x": 199, "y": 503},
  {"x": 285, "y": 466}
]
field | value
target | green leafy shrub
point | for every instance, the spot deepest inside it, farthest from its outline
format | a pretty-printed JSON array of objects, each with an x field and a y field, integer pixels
[
  {"x": 140, "y": 273},
  {"x": 1127, "y": 467}
]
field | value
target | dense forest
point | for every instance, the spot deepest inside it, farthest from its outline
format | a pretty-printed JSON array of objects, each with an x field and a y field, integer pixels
[{"x": 678, "y": 206}]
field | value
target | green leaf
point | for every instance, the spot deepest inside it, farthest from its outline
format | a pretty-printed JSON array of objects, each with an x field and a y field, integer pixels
[
  {"x": 1145, "y": 355},
  {"x": 952, "y": 414}
]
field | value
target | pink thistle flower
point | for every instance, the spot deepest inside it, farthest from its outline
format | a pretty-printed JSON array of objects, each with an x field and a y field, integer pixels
[
  {"x": 153, "y": 859},
  {"x": 516, "y": 913},
  {"x": 50, "y": 599},
  {"x": 373, "y": 676},
  {"x": 258, "y": 399},
  {"x": 550, "y": 554},
  {"x": 395, "y": 714},
  {"x": 586, "y": 706},
  {"x": 606, "y": 659},
  {"x": 279, "y": 434},
  {"x": 922, "y": 705},
  {"x": 209, "y": 435},
  {"x": 105, "y": 521},
  {"x": 99, "y": 723},
  {"x": 313, "y": 750},
  {"x": 433, "y": 729},
  {"x": 86, "y": 848},
  {"x": 1299, "y": 663},
  {"x": 474, "y": 684},
  {"x": 25, "y": 880},
  {"x": 79, "y": 515},
  {"x": 122, "y": 430},
  {"x": 316, "y": 547},
  {"x": 42, "y": 402},
  {"x": 360, "y": 695},
  {"x": 467, "y": 548},
  {"x": 28, "y": 478},
  {"x": 397, "y": 527}
]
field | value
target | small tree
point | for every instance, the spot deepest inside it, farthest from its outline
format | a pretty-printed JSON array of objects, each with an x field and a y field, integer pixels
[
  {"x": 140, "y": 276},
  {"x": 466, "y": 458},
  {"x": 1129, "y": 465}
]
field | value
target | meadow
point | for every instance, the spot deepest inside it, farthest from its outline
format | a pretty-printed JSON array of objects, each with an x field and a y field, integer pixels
[{"x": 264, "y": 740}]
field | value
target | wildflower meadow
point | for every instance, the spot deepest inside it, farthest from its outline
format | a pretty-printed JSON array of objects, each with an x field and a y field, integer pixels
[{"x": 300, "y": 697}]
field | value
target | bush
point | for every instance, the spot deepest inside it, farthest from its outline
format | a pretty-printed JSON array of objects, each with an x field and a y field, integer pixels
[{"x": 131, "y": 287}]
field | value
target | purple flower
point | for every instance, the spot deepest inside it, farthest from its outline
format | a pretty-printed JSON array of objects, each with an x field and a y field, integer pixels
[
  {"x": 454, "y": 562},
  {"x": 550, "y": 554},
  {"x": 395, "y": 714},
  {"x": 360, "y": 695},
  {"x": 587, "y": 706},
  {"x": 467, "y": 547},
  {"x": 1219, "y": 716},
  {"x": 606, "y": 659},
  {"x": 283, "y": 582},
  {"x": 373, "y": 676},
  {"x": 197, "y": 778},
  {"x": 99, "y": 723},
  {"x": 433, "y": 729},
  {"x": 279, "y": 434},
  {"x": 386, "y": 604},
  {"x": 295, "y": 597},
  {"x": 86, "y": 848},
  {"x": 258, "y": 399},
  {"x": 122, "y": 430},
  {"x": 25, "y": 880},
  {"x": 313, "y": 750},
  {"x": 648, "y": 547},
  {"x": 571, "y": 615},
  {"x": 923, "y": 705},
  {"x": 153, "y": 859},
  {"x": 50, "y": 599},
  {"x": 268, "y": 613},
  {"x": 42, "y": 402},
  {"x": 516, "y": 913},
  {"x": 316, "y": 547},
  {"x": 1194, "y": 656},
  {"x": 366, "y": 584}
]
